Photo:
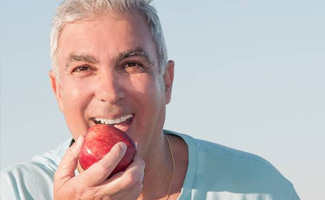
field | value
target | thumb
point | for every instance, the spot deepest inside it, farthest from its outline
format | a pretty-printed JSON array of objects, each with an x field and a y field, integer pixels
[{"x": 69, "y": 162}]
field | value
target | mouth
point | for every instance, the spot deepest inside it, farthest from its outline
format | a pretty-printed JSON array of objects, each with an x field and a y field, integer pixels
[{"x": 123, "y": 122}]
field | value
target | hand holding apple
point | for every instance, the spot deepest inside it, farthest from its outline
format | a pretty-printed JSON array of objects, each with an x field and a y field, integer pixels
[{"x": 68, "y": 185}]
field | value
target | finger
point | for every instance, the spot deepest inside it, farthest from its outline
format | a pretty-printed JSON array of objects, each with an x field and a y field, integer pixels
[
  {"x": 131, "y": 193},
  {"x": 69, "y": 161},
  {"x": 98, "y": 172},
  {"x": 139, "y": 163},
  {"x": 136, "y": 159},
  {"x": 135, "y": 190},
  {"x": 127, "y": 179}
]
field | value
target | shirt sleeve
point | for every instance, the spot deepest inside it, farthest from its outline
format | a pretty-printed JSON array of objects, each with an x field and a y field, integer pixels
[
  {"x": 9, "y": 189},
  {"x": 294, "y": 196},
  {"x": 27, "y": 181}
]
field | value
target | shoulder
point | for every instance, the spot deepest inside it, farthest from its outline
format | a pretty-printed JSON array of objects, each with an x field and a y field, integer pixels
[
  {"x": 217, "y": 167},
  {"x": 240, "y": 165},
  {"x": 232, "y": 156},
  {"x": 32, "y": 179}
]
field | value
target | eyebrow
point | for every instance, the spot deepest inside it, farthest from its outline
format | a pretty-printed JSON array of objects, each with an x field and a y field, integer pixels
[
  {"x": 134, "y": 52},
  {"x": 73, "y": 57},
  {"x": 79, "y": 57}
]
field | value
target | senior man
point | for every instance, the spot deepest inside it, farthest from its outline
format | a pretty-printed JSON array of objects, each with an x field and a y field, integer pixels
[{"x": 109, "y": 65}]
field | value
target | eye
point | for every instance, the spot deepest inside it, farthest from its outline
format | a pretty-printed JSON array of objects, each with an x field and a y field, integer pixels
[
  {"x": 134, "y": 67},
  {"x": 81, "y": 68}
]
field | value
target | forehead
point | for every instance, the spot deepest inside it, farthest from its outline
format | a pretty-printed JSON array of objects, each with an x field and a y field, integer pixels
[{"x": 106, "y": 36}]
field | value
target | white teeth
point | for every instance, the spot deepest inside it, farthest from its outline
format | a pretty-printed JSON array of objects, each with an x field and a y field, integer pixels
[
  {"x": 113, "y": 121},
  {"x": 123, "y": 118}
]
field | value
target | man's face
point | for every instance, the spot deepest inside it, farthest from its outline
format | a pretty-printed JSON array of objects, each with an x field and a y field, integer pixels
[{"x": 108, "y": 73}]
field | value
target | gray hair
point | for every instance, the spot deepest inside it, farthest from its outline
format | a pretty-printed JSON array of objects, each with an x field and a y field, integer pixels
[{"x": 72, "y": 10}]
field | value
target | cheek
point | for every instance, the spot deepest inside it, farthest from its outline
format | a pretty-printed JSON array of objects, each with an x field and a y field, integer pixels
[
  {"x": 75, "y": 95},
  {"x": 145, "y": 85},
  {"x": 148, "y": 92}
]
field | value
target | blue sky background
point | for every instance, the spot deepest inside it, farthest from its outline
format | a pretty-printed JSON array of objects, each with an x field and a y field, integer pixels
[{"x": 249, "y": 75}]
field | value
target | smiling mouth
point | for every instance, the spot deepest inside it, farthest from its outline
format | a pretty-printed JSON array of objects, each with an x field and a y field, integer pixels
[{"x": 121, "y": 123}]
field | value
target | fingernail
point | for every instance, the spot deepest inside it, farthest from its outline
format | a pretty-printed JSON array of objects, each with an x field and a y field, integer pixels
[
  {"x": 123, "y": 146},
  {"x": 79, "y": 140}
]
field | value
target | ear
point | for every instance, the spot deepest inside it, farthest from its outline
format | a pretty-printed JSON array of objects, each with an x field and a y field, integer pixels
[
  {"x": 169, "y": 78},
  {"x": 56, "y": 89}
]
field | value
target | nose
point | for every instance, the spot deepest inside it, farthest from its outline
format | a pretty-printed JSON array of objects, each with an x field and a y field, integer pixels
[{"x": 109, "y": 89}]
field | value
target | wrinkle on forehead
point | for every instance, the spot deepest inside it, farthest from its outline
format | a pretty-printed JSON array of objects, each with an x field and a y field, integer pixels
[{"x": 89, "y": 57}]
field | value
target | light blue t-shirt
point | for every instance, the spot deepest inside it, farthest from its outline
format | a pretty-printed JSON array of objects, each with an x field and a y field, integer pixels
[{"x": 214, "y": 172}]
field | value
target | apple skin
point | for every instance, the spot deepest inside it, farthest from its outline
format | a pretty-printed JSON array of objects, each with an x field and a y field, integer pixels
[{"x": 99, "y": 140}]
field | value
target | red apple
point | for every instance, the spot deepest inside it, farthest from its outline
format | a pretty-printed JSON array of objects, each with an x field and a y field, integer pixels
[{"x": 99, "y": 140}]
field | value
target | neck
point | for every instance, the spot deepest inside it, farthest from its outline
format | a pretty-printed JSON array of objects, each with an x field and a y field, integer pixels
[{"x": 158, "y": 170}]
